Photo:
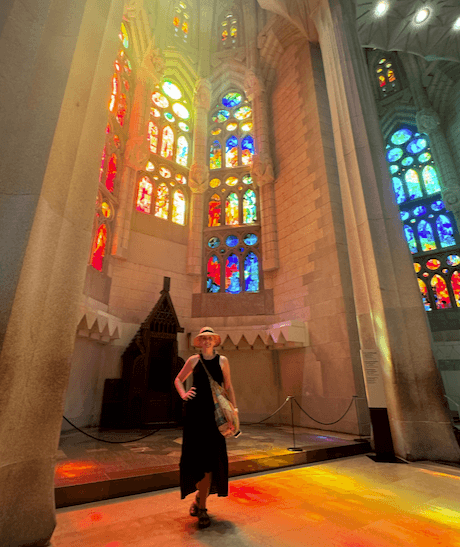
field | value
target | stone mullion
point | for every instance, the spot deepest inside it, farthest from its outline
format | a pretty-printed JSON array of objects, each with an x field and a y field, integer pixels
[
  {"x": 262, "y": 171},
  {"x": 429, "y": 122},
  {"x": 198, "y": 180},
  {"x": 386, "y": 296}
]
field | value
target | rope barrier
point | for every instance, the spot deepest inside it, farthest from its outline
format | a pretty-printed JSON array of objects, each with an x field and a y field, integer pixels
[
  {"x": 326, "y": 423},
  {"x": 111, "y": 442},
  {"x": 277, "y": 410}
]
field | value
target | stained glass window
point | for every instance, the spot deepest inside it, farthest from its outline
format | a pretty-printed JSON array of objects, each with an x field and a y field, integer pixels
[
  {"x": 232, "y": 275},
  {"x": 424, "y": 291},
  {"x": 167, "y": 143},
  {"x": 455, "y": 282},
  {"x": 178, "y": 211},
  {"x": 430, "y": 178},
  {"x": 182, "y": 151},
  {"x": 409, "y": 233},
  {"x": 251, "y": 273},
  {"x": 413, "y": 184},
  {"x": 231, "y": 152},
  {"x": 249, "y": 207},
  {"x": 229, "y": 30},
  {"x": 153, "y": 137},
  {"x": 162, "y": 201},
  {"x": 247, "y": 150},
  {"x": 121, "y": 109},
  {"x": 231, "y": 210},
  {"x": 215, "y": 156},
  {"x": 213, "y": 275},
  {"x": 111, "y": 172},
  {"x": 98, "y": 251},
  {"x": 144, "y": 195},
  {"x": 445, "y": 231},
  {"x": 426, "y": 236},
  {"x": 214, "y": 211},
  {"x": 180, "y": 20},
  {"x": 441, "y": 294},
  {"x": 387, "y": 80}
]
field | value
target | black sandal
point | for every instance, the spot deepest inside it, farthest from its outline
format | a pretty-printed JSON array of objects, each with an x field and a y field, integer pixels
[
  {"x": 195, "y": 507},
  {"x": 203, "y": 518}
]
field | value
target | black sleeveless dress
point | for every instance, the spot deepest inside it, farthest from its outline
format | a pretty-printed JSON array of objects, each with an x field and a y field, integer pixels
[{"x": 203, "y": 447}]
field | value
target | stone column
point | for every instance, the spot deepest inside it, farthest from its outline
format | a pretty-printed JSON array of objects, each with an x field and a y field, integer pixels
[
  {"x": 262, "y": 169},
  {"x": 137, "y": 152},
  {"x": 390, "y": 314},
  {"x": 198, "y": 178},
  {"x": 429, "y": 122},
  {"x": 39, "y": 339}
]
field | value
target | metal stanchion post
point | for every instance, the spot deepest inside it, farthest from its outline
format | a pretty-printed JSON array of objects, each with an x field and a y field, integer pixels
[{"x": 293, "y": 448}]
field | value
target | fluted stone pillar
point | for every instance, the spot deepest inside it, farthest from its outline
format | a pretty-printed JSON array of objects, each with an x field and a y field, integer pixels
[
  {"x": 40, "y": 335},
  {"x": 390, "y": 315},
  {"x": 429, "y": 122},
  {"x": 262, "y": 169},
  {"x": 198, "y": 178}
]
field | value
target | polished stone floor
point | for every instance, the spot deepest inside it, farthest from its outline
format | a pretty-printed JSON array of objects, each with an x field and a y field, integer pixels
[{"x": 350, "y": 502}]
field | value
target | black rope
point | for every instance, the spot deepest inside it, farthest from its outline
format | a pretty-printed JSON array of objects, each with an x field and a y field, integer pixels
[
  {"x": 326, "y": 423},
  {"x": 277, "y": 410},
  {"x": 111, "y": 442}
]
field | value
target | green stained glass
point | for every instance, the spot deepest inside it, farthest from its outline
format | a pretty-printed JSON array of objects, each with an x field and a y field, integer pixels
[
  {"x": 401, "y": 136},
  {"x": 247, "y": 179},
  {"x": 232, "y": 99},
  {"x": 184, "y": 127},
  {"x": 413, "y": 184},
  {"x": 170, "y": 117},
  {"x": 394, "y": 154},
  {"x": 416, "y": 146},
  {"x": 398, "y": 190},
  {"x": 394, "y": 169},
  {"x": 221, "y": 116},
  {"x": 243, "y": 112},
  {"x": 407, "y": 161},
  {"x": 249, "y": 207},
  {"x": 410, "y": 238},
  {"x": 423, "y": 158},
  {"x": 430, "y": 178}
]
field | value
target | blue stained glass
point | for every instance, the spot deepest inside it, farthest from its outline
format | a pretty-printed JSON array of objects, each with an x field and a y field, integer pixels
[
  {"x": 231, "y": 241},
  {"x": 437, "y": 205},
  {"x": 249, "y": 207},
  {"x": 416, "y": 146},
  {"x": 413, "y": 184},
  {"x": 445, "y": 231},
  {"x": 232, "y": 99},
  {"x": 221, "y": 116},
  {"x": 250, "y": 239},
  {"x": 401, "y": 136},
  {"x": 214, "y": 242},
  {"x": 251, "y": 273},
  {"x": 453, "y": 260},
  {"x": 423, "y": 158},
  {"x": 394, "y": 154},
  {"x": 420, "y": 210},
  {"x": 248, "y": 144},
  {"x": 425, "y": 233},
  {"x": 409, "y": 233},
  {"x": 213, "y": 280},
  {"x": 430, "y": 178},
  {"x": 407, "y": 161},
  {"x": 394, "y": 169},
  {"x": 404, "y": 215},
  {"x": 232, "y": 275},
  {"x": 399, "y": 190}
]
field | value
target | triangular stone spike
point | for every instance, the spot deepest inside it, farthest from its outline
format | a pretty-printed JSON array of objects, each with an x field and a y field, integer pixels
[
  {"x": 115, "y": 334},
  {"x": 259, "y": 343},
  {"x": 243, "y": 344},
  {"x": 235, "y": 336},
  {"x": 228, "y": 344},
  {"x": 281, "y": 342},
  {"x": 251, "y": 336}
]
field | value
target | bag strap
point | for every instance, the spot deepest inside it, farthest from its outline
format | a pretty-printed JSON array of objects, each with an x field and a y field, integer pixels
[{"x": 204, "y": 366}]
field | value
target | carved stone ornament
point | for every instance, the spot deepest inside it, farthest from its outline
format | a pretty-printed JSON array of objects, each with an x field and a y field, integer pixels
[
  {"x": 198, "y": 178},
  {"x": 451, "y": 197},
  {"x": 428, "y": 120},
  {"x": 253, "y": 84},
  {"x": 262, "y": 171},
  {"x": 152, "y": 65},
  {"x": 202, "y": 98},
  {"x": 136, "y": 153}
]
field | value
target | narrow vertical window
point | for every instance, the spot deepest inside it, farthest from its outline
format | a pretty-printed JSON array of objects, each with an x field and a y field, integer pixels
[
  {"x": 162, "y": 202},
  {"x": 178, "y": 210},
  {"x": 153, "y": 137},
  {"x": 213, "y": 275},
  {"x": 441, "y": 294},
  {"x": 214, "y": 211},
  {"x": 247, "y": 150},
  {"x": 182, "y": 151},
  {"x": 231, "y": 210},
  {"x": 251, "y": 273},
  {"x": 424, "y": 291},
  {"x": 249, "y": 207},
  {"x": 430, "y": 179},
  {"x": 215, "y": 155},
  {"x": 231, "y": 152},
  {"x": 167, "y": 143},
  {"x": 413, "y": 184},
  {"x": 455, "y": 282},
  {"x": 232, "y": 275},
  {"x": 97, "y": 255},
  {"x": 445, "y": 231},
  {"x": 425, "y": 233},
  {"x": 111, "y": 173},
  {"x": 144, "y": 195},
  {"x": 410, "y": 238}
]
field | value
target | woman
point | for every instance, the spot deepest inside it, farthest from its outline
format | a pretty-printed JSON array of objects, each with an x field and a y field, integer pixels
[{"x": 203, "y": 463}]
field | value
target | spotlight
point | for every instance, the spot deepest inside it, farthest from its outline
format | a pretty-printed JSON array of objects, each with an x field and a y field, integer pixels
[
  {"x": 381, "y": 8},
  {"x": 422, "y": 15},
  {"x": 457, "y": 24}
]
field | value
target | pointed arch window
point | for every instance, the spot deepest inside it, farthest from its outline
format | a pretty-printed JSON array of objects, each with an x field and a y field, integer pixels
[
  {"x": 213, "y": 275},
  {"x": 429, "y": 228},
  {"x": 153, "y": 137},
  {"x": 182, "y": 151},
  {"x": 144, "y": 195},
  {"x": 229, "y": 29},
  {"x": 181, "y": 20},
  {"x": 232, "y": 234},
  {"x": 386, "y": 75},
  {"x": 162, "y": 201},
  {"x": 98, "y": 250},
  {"x": 167, "y": 142},
  {"x": 178, "y": 211}
]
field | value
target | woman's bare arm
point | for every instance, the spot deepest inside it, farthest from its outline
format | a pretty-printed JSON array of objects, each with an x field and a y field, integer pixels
[
  {"x": 227, "y": 380},
  {"x": 185, "y": 372}
]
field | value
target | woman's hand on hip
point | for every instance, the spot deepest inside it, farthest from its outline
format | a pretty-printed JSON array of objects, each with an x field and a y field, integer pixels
[{"x": 190, "y": 394}]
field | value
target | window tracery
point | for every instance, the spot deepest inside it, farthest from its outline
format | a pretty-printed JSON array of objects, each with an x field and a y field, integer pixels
[
  {"x": 388, "y": 80},
  {"x": 229, "y": 30},
  {"x": 430, "y": 229},
  {"x": 181, "y": 20}
]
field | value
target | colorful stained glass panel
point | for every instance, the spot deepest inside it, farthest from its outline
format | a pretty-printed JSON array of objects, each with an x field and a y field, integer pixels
[
  {"x": 416, "y": 146},
  {"x": 214, "y": 242},
  {"x": 231, "y": 181},
  {"x": 401, "y": 136},
  {"x": 100, "y": 241},
  {"x": 160, "y": 100},
  {"x": 394, "y": 154},
  {"x": 231, "y": 152},
  {"x": 247, "y": 150},
  {"x": 455, "y": 281},
  {"x": 162, "y": 202},
  {"x": 430, "y": 178},
  {"x": 182, "y": 151},
  {"x": 413, "y": 184},
  {"x": 245, "y": 127},
  {"x": 437, "y": 205},
  {"x": 440, "y": 292},
  {"x": 232, "y": 99},
  {"x": 111, "y": 173},
  {"x": 419, "y": 211},
  {"x": 231, "y": 126},
  {"x": 214, "y": 211},
  {"x": 171, "y": 90},
  {"x": 249, "y": 207},
  {"x": 445, "y": 231},
  {"x": 425, "y": 233},
  {"x": 398, "y": 190},
  {"x": 215, "y": 156},
  {"x": 453, "y": 260},
  {"x": 247, "y": 179},
  {"x": 144, "y": 195},
  {"x": 213, "y": 278},
  {"x": 433, "y": 264},
  {"x": 424, "y": 292},
  {"x": 180, "y": 111},
  {"x": 250, "y": 239},
  {"x": 243, "y": 112},
  {"x": 178, "y": 210},
  {"x": 165, "y": 173},
  {"x": 410, "y": 238},
  {"x": 251, "y": 273},
  {"x": 231, "y": 210},
  {"x": 221, "y": 116},
  {"x": 231, "y": 241},
  {"x": 167, "y": 143},
  {"x": 153, "y": 137},
  {"x": 423, "y": 158},
  {"x": 232, "y": 275},
  {"x": 214, "y": 183},
  {"x": 404, "y": 215},
  {"x": 407, "y": 161},
  {"x": 184, "y": 127}
]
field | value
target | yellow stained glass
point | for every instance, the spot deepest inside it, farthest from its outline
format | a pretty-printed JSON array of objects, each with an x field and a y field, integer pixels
[
  {"x": 214, "y": 183},
  {"x": 178, "y": 211},
  {"x": 162, "y": 202}
]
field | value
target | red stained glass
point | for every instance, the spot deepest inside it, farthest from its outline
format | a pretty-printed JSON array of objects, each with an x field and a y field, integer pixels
[
  {"x": 97, "y": 255},
  {"x": 441, "y": 294},
  {"x": 382, "y": 81},
  {"x": 424, "y": 291},
  {"x": 101, "y": 169},
  {"x": 121, "y": 110},
  {"x": 111, "y": 173},
  {"x": 176, "y": 21},
  {"x": 213, "y": 281},
  {"x": 215, "y": 210},
  {"x": 144, "y": 195},
  {"x": 391, "y": 75},
  {"x": 455, "y": 280},
  {"x": 185, "y": 27}
]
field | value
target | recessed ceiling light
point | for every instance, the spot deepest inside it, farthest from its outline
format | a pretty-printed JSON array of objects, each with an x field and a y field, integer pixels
[
  {"x": 381, "y": 8},
  {"x": 422, "y": 15},
  {"x": 457, "y": 24}
]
